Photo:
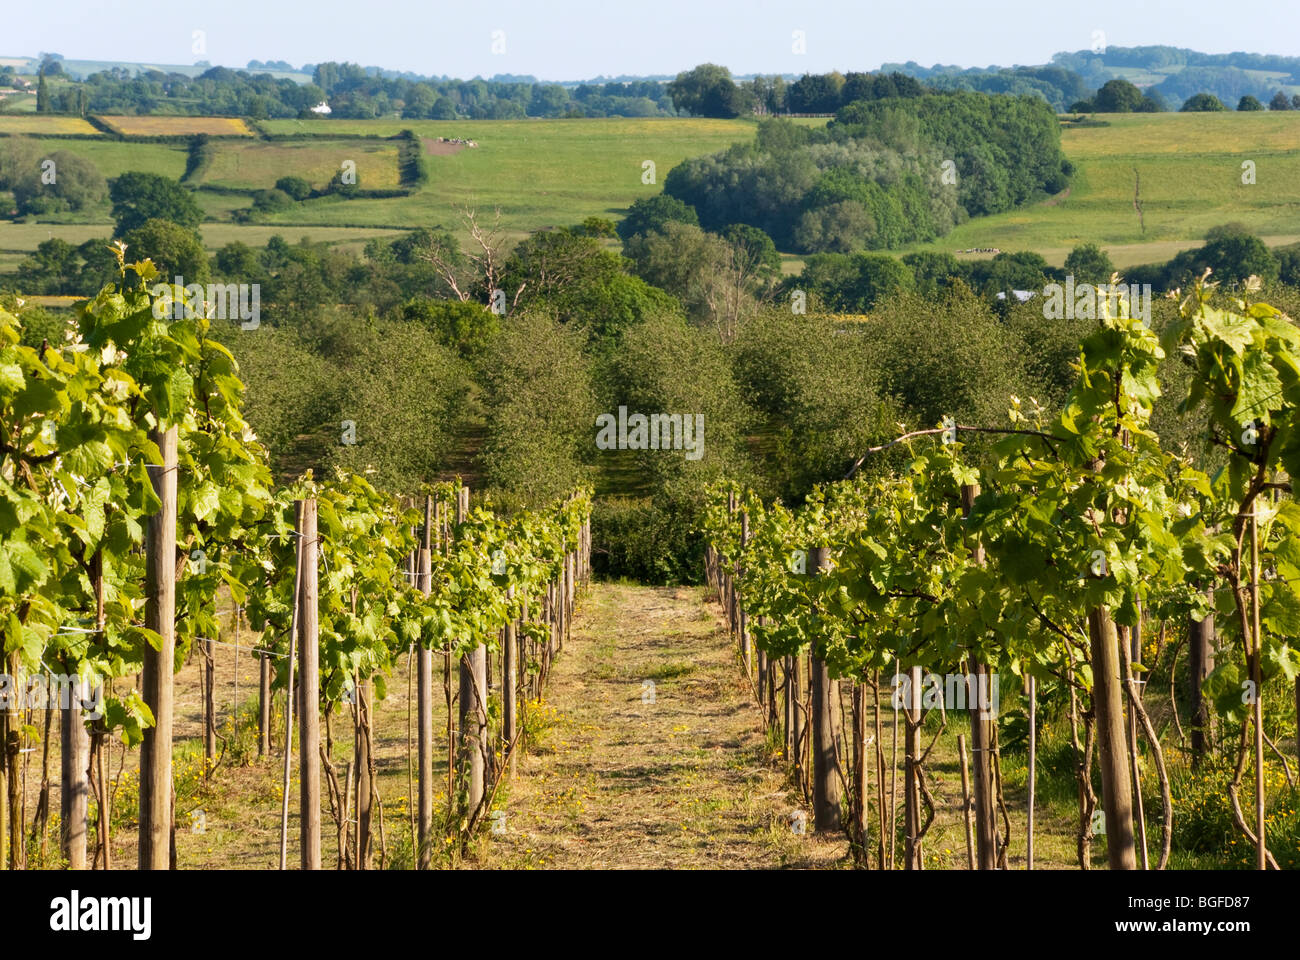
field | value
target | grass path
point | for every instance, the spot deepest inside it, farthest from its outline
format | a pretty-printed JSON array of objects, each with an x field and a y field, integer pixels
[{"x": 630, "y": 775}]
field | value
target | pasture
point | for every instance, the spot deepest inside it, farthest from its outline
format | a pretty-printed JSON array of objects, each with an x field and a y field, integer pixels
[{"x": 1187, "y": 170}]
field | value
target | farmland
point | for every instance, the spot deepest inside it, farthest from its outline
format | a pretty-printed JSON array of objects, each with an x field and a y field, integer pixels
[
  {"x": 1190, "y": 166},
  {"x": 257, "y": 165},
  {"x": 543, "y": 173},
  {"x": 164, "y": 126},
  {"x": 44, "y": 125}
]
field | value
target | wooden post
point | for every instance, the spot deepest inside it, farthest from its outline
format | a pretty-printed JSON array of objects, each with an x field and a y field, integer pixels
[
  {"x": 473, "y": 711},
  {"x": 209, "y": 705},
  {"x": 424, "y": 698},
  {"x": 509, "y": 688},
  {"x": 156, "y": 675},
  {"x": 793, "y": 718},
  {"x": 1200, "y": 642},
  {"x": 827, "y": 789},
  {"x": 73, "y": 791},
  {"x": 290, "y": 687},
  {"x": 860, "y": 767},
  {"x": 1257, "y": 709},
  {"x": 742, "y": 616},
  {"x": 913, "y": 859},
  {"x": 363, "y": 802},
  {"x": 978, "y": 697},
  {"x": 1117, "y": 796},
  {"x": 263, "y": 704},
  {"x": 965, "y": 802},
  {"x": 309, "y": 691},
  {"x": 1135, "y": 760},
  {"x": 1033, "y": 762}
]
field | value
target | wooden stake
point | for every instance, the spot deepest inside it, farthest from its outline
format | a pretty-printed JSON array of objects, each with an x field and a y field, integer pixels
[
  {"x": 1116, "y": 789},
  {"x": 309, "y": 692},
  {"x": 156, "y": 675},
  {"x": 509, "y": 688},
  {"x": 912, "y": 857},
  {"x": 1257, "y": 711},
  {"x": 424, "y": 695},
  {"x": 1033, "y": 763},
  {"x": 965, "y": 803},
  {"x": 473, "y": 710},
  {"x": 1200, "y": 648},
  {"x": 979, "y": 707},
  {"x": 73, "y": 792}
]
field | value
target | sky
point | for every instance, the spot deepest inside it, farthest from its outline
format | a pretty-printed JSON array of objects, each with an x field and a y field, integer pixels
[{"x": 583, "y": 39}]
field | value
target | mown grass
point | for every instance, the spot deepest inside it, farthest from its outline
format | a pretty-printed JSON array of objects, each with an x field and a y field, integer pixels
[
  {"x": 257, "y": 165},
  {"x": 538, "y": 172},
  {"x": 1190, "y": 167}
]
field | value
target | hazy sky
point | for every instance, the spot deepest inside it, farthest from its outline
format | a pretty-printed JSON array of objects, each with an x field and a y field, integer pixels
[{"x": 579, "y": 39}]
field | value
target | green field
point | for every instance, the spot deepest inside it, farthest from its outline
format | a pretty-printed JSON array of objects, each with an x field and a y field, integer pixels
[
  {"x": 542, "y": 173},
  {"x": 257, "y": 165},
  {"x": 539, "y": 172},
  {"x": 114, "y": 157},
  {"x": 1190, "y": 166}
]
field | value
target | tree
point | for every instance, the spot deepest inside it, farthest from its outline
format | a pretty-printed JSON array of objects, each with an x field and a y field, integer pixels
[
  {"x": 755, "y": 250},
  {"x": 596, "y": 227},
  {"x": 1249, "y": 103},
  {"x": 1023, "y": 270},
  {"x": 1233, "y": 253},
  {"x": 854, "y": 283},
  {"x": 467, "y": 328},
  {"x": 296, "y": 187},
  {"x": 42, "y": 94},
  {"x": 1118, "y": 96},
  {"x": 175, "y": 250},
  {"x": 272, "y": 201},
  {"x": 1088, "y": 263},
  {"x": 548, "y": 100},
  {"x": 77, "y": 184},
  {"x": 933, "y": 272},
  {"x": 818, "y": 93},
  {"x": 1203, "y": 103},
  {"x": 51, "y": 269},
  {"x": 535, "y": 375},
  {"x": 719, "y": 283},
  {"x": 443, "y": 109},
  {"x": 1280, "y": 101},
  {"x": 651, "y": 213},
  {"x": 706, "y": 91},
  {"x": 1152, "y": 102},
  {"x": 138, "y": 197}
]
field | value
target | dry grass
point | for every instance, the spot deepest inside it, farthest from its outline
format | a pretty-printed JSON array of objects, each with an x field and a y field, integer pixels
[
  {"x": 685, "y": 781},
  {"x": 177, "y": 126},
  {"x": 44, "y": 125}
]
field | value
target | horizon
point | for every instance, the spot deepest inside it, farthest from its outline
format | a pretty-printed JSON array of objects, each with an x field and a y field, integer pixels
[{"x": 748, "y": 39}]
